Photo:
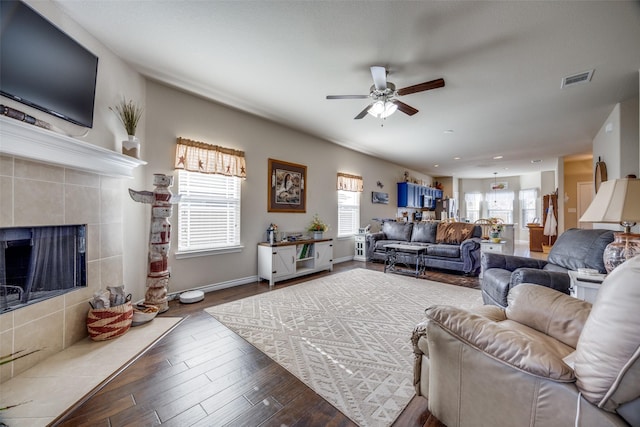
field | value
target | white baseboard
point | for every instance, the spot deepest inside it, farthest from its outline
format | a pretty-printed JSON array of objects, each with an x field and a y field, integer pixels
[
  {"x": 235, "y": 282},
  {"x": 217, "y": 286}
]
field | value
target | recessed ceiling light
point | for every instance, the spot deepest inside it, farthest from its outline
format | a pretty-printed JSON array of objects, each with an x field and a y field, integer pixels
[
  {"x": 448, "y": 131},
  {"x": 536, "y": 161},
  {"x": 457, "y": 158},
  {"x": 497, "y": 157},
  {"x": 435, "y": 166}
]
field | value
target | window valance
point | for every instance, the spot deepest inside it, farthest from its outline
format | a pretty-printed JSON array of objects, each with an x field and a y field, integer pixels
[
  {"x": 201, "y": 157},
  {"x": 348, "y": 182}
]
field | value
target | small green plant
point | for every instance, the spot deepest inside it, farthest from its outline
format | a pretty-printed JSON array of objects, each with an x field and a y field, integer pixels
[
  {"x": 129, "y": 115},
  {"x": 317, "y": 224}
]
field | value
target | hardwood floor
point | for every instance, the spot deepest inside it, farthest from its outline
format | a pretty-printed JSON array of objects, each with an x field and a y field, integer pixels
[{"x": 203, "y": 374}]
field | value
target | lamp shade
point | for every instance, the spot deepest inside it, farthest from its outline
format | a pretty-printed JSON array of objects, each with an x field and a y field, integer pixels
[{"x": 616, "y": 201}]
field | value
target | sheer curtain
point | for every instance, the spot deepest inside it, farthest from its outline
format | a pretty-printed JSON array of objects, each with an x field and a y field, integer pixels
[
  {"x": 53, "y": 255},
  {"x": 500, "y": 205}
]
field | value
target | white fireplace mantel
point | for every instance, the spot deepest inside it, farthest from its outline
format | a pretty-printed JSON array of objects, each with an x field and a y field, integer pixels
[{"x": 27, "y": 141}]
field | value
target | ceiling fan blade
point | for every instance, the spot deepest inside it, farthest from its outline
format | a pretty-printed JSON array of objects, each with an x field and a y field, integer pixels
[
  {"x": 363, "y": 112},
  {"x": 347, "y": 96},
  {"x": 407, "y": 109},
  {"x": 379, "y": 75},
  {"x": 433, "y": 84}
]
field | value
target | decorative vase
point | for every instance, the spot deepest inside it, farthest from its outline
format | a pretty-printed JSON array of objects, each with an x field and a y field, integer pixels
[
  {"x": 317, "y": 235},
  {"x": 131, "y": 147},
  {"x": 495, "y": 237},
  {"x": 624, "y": 246}
]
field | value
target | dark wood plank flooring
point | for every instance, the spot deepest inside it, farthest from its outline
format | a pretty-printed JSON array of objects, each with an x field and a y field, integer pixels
[{"x": 203, "y": 374}]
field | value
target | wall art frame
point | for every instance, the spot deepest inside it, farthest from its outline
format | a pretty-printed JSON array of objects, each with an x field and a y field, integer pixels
[
  {"x": 378, "y": 197},
  {"x": 286, "y": 187}
]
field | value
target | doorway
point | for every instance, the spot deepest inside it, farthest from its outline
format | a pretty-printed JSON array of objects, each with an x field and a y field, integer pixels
[{"x": 585, "y": 196}]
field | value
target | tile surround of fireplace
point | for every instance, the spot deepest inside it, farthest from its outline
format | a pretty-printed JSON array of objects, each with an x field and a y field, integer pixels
[{"x": 33, "y": 193}]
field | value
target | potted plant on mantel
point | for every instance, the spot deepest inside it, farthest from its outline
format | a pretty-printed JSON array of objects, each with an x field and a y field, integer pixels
[
  {"x": 129, "y": 114},
  {"x": 317, "y": 227}
]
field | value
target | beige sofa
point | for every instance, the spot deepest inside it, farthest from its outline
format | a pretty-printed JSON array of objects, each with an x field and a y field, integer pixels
[{"x": 548, "y": 359}]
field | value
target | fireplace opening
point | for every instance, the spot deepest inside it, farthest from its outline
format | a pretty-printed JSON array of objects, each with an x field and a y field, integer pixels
[{"x": 37, "y": 263}]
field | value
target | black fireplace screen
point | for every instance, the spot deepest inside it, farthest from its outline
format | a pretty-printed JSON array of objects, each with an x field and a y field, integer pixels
[{"x": 37, "y": 263}]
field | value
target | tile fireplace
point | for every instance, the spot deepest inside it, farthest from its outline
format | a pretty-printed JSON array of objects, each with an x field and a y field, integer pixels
[{"x": 60, "y": 191}]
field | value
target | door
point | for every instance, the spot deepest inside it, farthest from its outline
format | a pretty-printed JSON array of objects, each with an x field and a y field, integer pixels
[
  {"x": 585, "y": 195},
  {"x": 284, "y": 261},
  {"x": 324, "y": 255}
]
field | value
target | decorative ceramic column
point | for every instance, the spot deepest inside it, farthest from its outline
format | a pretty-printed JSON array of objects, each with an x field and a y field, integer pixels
[{"x": 161, "y": 200}]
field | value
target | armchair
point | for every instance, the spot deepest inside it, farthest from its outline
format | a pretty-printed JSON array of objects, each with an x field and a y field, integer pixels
[
  {"x": 548, "y": 359},
  {"x": 575, "y": 248}
]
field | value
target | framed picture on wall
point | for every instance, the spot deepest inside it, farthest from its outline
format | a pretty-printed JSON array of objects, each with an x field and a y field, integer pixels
[
  {"x": 286, "y": 182},
  {"x": 377, "y": 197}
]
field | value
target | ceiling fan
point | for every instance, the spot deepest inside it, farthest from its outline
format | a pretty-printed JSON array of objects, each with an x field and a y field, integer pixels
[{"x": 384, "y": 93}]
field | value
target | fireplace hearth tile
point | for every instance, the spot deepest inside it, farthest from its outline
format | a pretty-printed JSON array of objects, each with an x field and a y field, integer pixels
[{"x": 58, "y": 382}]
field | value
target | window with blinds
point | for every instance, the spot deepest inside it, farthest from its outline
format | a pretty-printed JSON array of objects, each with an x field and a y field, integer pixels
[
  {"x": 348, "y": 213},
  {"x": 528, "y": 206},
  {"x": 500, "y": 205},
  {"x": 209, "y": 211},
  {"x": 473, "y": 202}
]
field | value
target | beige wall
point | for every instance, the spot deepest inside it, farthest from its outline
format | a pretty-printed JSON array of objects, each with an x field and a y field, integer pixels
[
  {"x": 172, "y": 113},
  {"x": 617, "y": 143}
]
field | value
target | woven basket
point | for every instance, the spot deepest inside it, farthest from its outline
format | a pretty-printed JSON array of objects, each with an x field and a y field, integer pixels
[{"x": 107, "y": 323}]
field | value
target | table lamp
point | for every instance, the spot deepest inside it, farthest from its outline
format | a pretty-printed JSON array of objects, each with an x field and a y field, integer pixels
[{"x": 617, "y": 201}]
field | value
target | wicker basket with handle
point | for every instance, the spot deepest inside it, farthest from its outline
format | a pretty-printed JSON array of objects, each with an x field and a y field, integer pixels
[{"x": 107, "y": 323}]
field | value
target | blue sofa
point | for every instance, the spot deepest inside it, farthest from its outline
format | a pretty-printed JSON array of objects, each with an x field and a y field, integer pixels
[{"x": 450, "y": 246}]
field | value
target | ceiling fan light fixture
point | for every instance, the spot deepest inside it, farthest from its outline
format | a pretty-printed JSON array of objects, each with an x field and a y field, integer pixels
[
  {"x": 382, "y": 109},
  {"x": 376, "y": 109}
]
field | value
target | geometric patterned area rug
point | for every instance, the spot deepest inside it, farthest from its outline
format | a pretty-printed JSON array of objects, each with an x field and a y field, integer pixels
[{"x": 346, "y": 336}]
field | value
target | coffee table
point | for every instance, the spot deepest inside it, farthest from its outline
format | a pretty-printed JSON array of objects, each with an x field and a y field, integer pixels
[{"x": 398, "y": 253}]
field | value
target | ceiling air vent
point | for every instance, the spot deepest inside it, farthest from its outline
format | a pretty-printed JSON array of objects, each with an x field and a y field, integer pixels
[{"x": 575, "y": 79}]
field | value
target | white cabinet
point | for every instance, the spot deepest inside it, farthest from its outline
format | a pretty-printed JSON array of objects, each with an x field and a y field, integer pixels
[
  {"x": 360, "y": 247},
  {"x": 287, "y": 260},
  {"x": 488, "y": 246}
]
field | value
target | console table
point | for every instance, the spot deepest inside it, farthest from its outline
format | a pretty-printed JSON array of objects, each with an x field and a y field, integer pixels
[{"x": 286, "y": 260}]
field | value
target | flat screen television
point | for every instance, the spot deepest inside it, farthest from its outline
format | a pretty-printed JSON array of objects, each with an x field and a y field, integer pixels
[{"x": 43, "y": 67}]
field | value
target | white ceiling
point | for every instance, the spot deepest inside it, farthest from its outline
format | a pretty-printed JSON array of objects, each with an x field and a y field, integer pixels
[{"x": 502, "y": 63}]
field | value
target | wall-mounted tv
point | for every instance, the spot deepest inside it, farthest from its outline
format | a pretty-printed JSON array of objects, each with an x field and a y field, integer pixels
[{"x": 43, "y": 67}]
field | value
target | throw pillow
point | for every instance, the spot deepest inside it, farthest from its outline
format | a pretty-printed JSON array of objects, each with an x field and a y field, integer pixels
[
  {"x": 453, "y": 232},
  {"x": 607, "y": 362}
]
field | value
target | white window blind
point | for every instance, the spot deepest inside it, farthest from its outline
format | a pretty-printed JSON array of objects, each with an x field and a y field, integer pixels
[
  {"x": 209, "y": 211},
  {"x": 348, "y": 213}
]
